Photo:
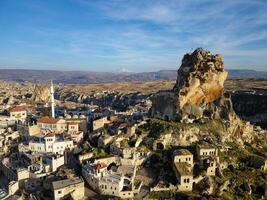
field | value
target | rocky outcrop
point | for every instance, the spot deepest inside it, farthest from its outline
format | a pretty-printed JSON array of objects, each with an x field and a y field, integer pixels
[
  {"x": 41, "y": 93},
  {"x": 200, "y": 78},
  {"x": 199, "y": 89},
  {"x": 199, "y": 85},
  {"x": 199, "y": 96}
]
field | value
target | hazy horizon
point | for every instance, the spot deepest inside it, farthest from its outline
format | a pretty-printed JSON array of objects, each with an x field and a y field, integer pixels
[
  {"x": 114, "y": 71},
  {"x": 131, "y": 36}
]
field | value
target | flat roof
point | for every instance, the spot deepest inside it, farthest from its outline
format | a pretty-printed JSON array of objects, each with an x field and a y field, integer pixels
[
  {"x": 205, "y": 145},
  {"x": 182, "y": 152},
  {"x": 66, "y": 182}
]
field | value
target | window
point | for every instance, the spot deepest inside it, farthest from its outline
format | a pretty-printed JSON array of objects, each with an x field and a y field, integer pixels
[
  {"x": 59, "y": 192},
  {"x": 185, "y": 180}
]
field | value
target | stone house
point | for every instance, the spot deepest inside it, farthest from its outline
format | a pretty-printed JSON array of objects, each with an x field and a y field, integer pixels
[
  {"x": 207, "y": 156},
  {"x": 99, "y": 123},
  {"x": 184, "y": 174},
  {"x": 205, "y": 150},
  {"x": 183, "y": 156},
  {"x": 70, "y": 186},
  {"x": 104, "y": 141}
]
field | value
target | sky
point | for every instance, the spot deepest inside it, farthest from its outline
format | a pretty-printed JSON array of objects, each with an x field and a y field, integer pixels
[{"x": 130, "y": 35}]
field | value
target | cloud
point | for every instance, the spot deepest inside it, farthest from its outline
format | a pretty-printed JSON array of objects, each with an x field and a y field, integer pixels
[{"x": 150, "y": 35}]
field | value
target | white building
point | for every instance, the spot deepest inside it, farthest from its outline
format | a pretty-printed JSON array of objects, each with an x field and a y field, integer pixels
[
  {"x": 54, "y": 124},
  {"x": 18, "y": 113},
  {"x": 107, "y": 183},
  {"x": 50, "y": 143},
  {"x": 93, "y": 172}
]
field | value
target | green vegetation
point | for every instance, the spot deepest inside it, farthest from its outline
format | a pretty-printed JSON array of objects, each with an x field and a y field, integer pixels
[
  {"x": 99, "y": 153},
  {"x": 156, "y": 127}
]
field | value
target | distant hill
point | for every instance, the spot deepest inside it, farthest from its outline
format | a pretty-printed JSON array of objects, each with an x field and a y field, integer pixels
[{"x": 23, "y": 75}]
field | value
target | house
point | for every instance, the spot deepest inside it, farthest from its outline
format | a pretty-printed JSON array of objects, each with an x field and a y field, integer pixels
[
  {"x": 26, "y": 131},
  {"x": 112, "y": 184},
  {"x": 183, "y": 168},
  {"x": 12, "y": 170},
  {"x": 7, "y": 121},
  {"x": 57, "y": 125},
  {"x": 183, "y": 156},
  {"x": 93, "y": 172},
  {"x": 99, "y": 123},
  {"x": 184, "y": 174},
  {"x": 122, "y": 148},
  {"x": 50, "y": 143},
  {"x": 104, "y": 140},
  {"x": 70, "y": 186},
  {"x": 107, "y": 183},
  {"x": 207, "y": 156},
  {"x": 76, "y": 137},
  {"x": 75, "y": 120},
  {"x": 73, "y": 126},
  {"x": 18, "y": 113},
  {"x": 205, "y": 150}
]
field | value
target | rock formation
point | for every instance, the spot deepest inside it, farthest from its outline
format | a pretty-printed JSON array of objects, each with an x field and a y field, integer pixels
[
  {"x": 199, "y": 89},
  {"x": 41, "y": 93},
  {"x": 199, "y": 96},
  {"x": 200, "y": 82}
]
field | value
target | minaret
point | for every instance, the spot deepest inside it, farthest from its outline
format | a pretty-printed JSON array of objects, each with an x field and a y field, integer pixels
[{"x": 52, "y": 100}]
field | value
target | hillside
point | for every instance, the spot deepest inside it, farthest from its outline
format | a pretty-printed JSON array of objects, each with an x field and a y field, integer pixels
[{"x": 22, "y": 75}]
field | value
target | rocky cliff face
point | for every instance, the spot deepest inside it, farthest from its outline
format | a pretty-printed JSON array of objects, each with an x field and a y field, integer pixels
[
  {"x": 199, "y": 84},
  {"x": 251, "y": 105},
  {"x": 199, "y": 89},
  {"x": 41, "y": 93},
  {"x": 199, "y": 96}
]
